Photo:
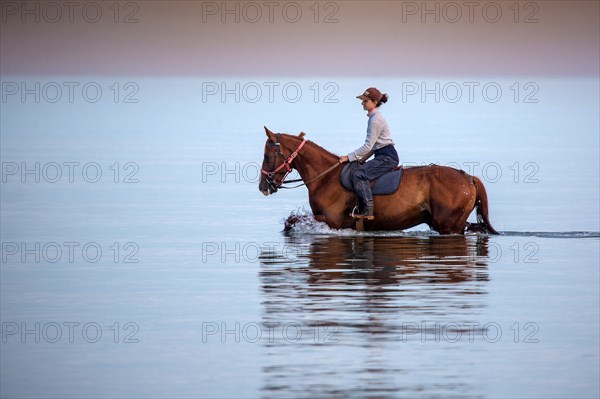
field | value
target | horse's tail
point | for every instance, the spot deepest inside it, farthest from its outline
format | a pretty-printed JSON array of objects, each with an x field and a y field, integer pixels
[{"x": 481, "y": 203}]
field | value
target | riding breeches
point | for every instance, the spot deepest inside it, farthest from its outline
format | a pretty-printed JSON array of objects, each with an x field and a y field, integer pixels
[{"x": 385, "y": 160}]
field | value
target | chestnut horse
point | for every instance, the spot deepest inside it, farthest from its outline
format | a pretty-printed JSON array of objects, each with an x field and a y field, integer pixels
[{"x": 440, "y": 196}]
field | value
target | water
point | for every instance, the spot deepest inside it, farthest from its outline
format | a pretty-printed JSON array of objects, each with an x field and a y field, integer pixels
[{"x": 168, "y": 275}]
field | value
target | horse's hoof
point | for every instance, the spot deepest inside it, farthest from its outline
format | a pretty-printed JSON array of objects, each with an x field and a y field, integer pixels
[{"x": 290, "y": 222}]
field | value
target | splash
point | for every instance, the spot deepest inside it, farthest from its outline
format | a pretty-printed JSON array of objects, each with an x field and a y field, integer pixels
[{"x": 302, "y": 222}]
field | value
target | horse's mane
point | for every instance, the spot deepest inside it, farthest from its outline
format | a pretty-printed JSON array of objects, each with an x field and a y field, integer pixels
[
  {"x": 312, "y": 143},
  {"x": 327, "y": 152}
]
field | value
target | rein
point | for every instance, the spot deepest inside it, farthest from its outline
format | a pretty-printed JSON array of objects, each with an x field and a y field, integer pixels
[
  {"x": 311, "y": 180},
  {"x": 287, "y": 164}
]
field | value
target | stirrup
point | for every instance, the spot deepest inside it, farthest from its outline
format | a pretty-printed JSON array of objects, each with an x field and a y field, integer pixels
[{"x": 359, "y": 216}]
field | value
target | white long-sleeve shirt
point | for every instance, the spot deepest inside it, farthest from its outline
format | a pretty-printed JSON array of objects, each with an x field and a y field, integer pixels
[{"x": 378, "y": 136}]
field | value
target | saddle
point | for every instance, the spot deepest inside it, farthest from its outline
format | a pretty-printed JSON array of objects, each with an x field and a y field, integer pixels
[{"x": 384, "y": 185}]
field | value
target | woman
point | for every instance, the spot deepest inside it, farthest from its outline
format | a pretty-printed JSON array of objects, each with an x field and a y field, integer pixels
[{"x": 380, "y": 142}]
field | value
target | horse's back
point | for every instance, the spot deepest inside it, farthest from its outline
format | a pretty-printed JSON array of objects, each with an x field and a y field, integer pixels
[{"x": 439, "y": 172}]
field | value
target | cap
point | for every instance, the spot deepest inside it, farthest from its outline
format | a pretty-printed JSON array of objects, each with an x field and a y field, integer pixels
[{"x": 371, "y": 94}]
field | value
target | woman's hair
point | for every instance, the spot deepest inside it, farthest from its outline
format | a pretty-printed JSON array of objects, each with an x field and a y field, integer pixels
[{"x": 384, "y": 99}]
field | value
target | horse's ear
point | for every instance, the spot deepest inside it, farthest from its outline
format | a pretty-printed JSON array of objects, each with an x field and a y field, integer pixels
[
  {"x": 270, "y": 134},
  {"x": 301, "y": 135}
]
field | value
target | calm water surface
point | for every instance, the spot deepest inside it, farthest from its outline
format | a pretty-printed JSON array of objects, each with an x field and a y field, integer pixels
[{"x": 172, "y": 277}]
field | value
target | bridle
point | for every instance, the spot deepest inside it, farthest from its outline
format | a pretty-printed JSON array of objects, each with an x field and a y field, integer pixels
[
  {"x": 270, "y": 176},
  {"x": 274, "y": 183}
]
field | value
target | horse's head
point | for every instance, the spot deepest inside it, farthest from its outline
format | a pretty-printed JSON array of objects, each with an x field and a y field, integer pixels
[{"x": 277, "y": 161}]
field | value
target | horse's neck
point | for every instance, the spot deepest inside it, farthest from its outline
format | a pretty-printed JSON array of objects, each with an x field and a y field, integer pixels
[{"x": 313, "y": 161}]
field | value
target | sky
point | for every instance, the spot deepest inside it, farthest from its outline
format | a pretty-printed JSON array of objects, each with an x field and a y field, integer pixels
[{"x": 300, "y": 38}]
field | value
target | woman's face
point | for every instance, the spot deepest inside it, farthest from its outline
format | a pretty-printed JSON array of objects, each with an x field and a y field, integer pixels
[{"x": 369, "y": 105}]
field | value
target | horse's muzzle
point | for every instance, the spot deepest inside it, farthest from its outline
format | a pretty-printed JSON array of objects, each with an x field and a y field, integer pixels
[
  {"x": 269, "y": 190},
  {"x": 267, "y": 187}
]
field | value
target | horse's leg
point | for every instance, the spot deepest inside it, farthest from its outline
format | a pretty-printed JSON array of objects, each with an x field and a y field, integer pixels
[
  {"x": 451, "y": 217},
  {"x": 333, "y": 221},
  {"x": 337, "y": 220},
  {"x": 449, "y": 222},
  {"x": 331, "y": 208},
  {"x": 321, "y": 218}
]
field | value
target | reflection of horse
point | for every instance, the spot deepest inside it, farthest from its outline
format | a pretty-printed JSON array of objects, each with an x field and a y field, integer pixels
[
  {"x": 439, "y": 196},
  {"x": 419, "y": 269},
  {"x": 385, "y": 279},
  {"x": 395, "y": 260},
  {"x": 364, "y": 297}
]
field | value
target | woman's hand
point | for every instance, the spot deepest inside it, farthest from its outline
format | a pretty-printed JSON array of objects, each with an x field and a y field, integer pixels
[{"x": 343, "y": 159}]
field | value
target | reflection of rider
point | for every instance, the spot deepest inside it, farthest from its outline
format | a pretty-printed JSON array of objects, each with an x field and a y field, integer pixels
[{"x": 380, "y": 142}]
